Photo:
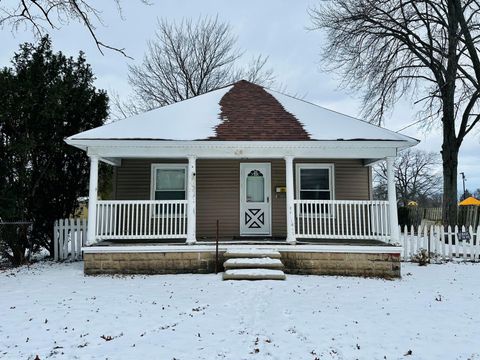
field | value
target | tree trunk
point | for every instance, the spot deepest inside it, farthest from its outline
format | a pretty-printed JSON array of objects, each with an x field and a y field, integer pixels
[
  {"x": 451, "y": 144},
  {"x": 450, "y": 163},
  {"x": 450, "y": 148}
]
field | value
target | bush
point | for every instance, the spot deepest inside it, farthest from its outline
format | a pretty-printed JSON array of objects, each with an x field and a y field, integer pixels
[
  {"x": 422, "y": 257},
  {"x": 15, "y": 244}
]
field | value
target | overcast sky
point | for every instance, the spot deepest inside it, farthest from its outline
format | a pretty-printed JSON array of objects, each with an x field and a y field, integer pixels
[{"x": 275, "y": 28}]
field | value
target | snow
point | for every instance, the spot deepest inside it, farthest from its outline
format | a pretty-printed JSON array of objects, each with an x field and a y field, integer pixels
[
  {"x": 325, "y": 124},
  {"x": 255, "y": 261},
  {"x": 191, "y": 119},
  {"x": 197, "y": 117},
  {"x": 251, "y": 253},
  {"x": 255, "y": 272},
  {"x": 54, "y": 311}
]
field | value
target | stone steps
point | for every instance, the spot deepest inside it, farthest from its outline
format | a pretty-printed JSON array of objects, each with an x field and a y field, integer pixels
[
  {"x": 253, "y": 264},
  {"x": 252, "y": 253},
  {"x": 254, "y": 274}
]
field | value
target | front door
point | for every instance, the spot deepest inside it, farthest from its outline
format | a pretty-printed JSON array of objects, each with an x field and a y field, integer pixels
[{"x": 255, "y": 193}]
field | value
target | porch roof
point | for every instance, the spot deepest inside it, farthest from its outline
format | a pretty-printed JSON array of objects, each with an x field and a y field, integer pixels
[{"x": 241, "y": 112}]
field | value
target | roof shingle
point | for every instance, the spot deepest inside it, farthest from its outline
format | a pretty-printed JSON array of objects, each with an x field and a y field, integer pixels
[{"x": 249, "y": 113}]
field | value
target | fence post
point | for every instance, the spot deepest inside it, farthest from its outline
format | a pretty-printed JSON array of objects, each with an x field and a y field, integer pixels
[
  {"x": 85, "y": 232},
  {"x": 431, "y": 240},
  {"x": 475, "y": 217},
  {"x": 405, "y": 243},
  {"x": 477, "y": 240},
  {"x": 471, "y": 245},
  {"x": 80, "y": 238},
  {"x": 55, "y": 240},
  {"x": 412, "y": 236},
  {"x": 442, "y": 240},
  {"x": 61, "y": 239},
  {"x": 76, "y": 230}
]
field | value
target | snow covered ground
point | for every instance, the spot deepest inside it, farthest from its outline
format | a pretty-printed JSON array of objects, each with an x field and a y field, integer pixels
[{"x": 53, "y": 311}]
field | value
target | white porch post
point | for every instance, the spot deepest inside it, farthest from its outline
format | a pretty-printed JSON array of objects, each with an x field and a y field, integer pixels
[
  {"x": 392, "y": 201},
  {"x": 290, "y": 206},
  {"x": 192, "y": 200},
  {"x": 92, "y": 200}
]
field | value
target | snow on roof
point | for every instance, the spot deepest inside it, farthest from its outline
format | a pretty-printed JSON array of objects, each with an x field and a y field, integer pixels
[
  {"x": 198, "y": 118},
  {"x": 191, "y": 119},
  {"x": 325, "y": 124}
]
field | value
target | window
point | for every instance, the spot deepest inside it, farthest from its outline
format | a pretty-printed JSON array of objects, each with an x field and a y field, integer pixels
[
  {"x": 315, "y": 182},
  {"x": 255, "y": 186},
  {"x": 169, "y": 181}
]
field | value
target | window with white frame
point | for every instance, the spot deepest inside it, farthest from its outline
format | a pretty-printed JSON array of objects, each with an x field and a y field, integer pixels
[
  {"x": 315, "y": 181},
  {"x": 169, "y": 182}
]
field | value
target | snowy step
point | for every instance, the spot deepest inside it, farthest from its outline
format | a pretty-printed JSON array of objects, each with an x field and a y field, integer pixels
[
  {"x": 251, "y": 263},
  {"x": 254, "y": 274},
  {"x": 252, "y": 253}
]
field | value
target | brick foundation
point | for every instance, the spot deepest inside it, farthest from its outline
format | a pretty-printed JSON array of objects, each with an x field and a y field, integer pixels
[
  {"x": 149, "y": 263},
  {"x": 347, "y": 264},
  {"x": 298, "y": 262}
]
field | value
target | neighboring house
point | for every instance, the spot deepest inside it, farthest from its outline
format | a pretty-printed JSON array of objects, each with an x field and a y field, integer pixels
[
  {"x": 275, "y": 171},
  {"x": 82, "y": 210}
]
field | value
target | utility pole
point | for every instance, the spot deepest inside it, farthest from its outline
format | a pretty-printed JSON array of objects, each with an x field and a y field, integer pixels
[{"x": 463, "y": 179}]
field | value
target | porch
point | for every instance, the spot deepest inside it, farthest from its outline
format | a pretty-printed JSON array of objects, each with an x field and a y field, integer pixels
[{"x": 312, "y": 259}]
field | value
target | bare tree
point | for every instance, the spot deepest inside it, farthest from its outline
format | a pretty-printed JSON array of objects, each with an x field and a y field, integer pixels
[
  {"x": 477, "y": 193},
  {"x": 426, "y": 48},
  {"x": 417, "y": 176},
  {"x": 42, "y": 15},
  {"x": 186, "y": 59}
]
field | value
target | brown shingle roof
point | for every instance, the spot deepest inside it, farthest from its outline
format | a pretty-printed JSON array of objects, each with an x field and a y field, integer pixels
[{"x": 249, "y": 113}]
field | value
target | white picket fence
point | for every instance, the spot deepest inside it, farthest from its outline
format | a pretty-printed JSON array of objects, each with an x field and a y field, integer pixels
[
  {"x": 69, "y": 235},
  {"x": 442, "y": 242}
]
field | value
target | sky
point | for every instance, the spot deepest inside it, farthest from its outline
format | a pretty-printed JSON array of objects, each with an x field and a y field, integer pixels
[{"x": 278, "y": 29}]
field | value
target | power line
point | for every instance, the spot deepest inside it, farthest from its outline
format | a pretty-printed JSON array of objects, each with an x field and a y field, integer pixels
[{"x": 409, "y": 125}]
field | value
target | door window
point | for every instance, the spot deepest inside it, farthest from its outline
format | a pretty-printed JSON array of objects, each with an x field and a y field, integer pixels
[{"x": 255, "y": 186}]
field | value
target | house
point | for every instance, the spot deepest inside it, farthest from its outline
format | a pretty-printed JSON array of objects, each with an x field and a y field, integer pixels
[{"x": 277, "y": 173}]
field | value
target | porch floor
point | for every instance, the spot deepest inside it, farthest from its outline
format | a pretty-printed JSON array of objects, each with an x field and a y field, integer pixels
[{"x": 244, "y": 241}]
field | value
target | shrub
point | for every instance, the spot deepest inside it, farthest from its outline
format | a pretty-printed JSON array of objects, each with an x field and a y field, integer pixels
[
  {"x": 15, "y": 244},
  {"x": 422, "y": 257}
]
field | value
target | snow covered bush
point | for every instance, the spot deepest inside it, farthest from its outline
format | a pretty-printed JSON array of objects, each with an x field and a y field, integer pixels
[{"x": 422, "y": 257}]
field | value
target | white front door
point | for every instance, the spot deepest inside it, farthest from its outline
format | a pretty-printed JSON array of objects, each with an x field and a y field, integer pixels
[{"x": 255, "y": 193}]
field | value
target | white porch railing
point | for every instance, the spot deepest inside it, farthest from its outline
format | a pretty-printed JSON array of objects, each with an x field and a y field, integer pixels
[
  {"x": 141, "y": 219},
  {"x": 342, "y": 219}
]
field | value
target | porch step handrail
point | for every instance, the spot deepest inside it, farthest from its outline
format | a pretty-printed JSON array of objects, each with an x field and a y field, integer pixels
[
  {"x": 342, "y": 219},
  {"x": 141, "y": 219}
]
